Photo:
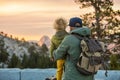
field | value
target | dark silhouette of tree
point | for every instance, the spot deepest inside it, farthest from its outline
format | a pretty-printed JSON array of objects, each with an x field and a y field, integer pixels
[
  {"x": 3, "y": 53},
  {"x": 32, "y": 63},
  {"x": 1, "y": 32},
  {"x": 115, "y": 62},
  {"x": 11, "y": 36},
  {"x": 25, "y": 61},
  {"x": 45, "y": 62},
  {"x": 6, "y": 35},
  {"x": 33, "y": 58},
  {"x": 103, "y": 16},
  {"x": 39, "y": 59},
  {"x": 14, "y": 62},
  {"x": 44, "y": 49},
  {"x": 23, "y": 40}
]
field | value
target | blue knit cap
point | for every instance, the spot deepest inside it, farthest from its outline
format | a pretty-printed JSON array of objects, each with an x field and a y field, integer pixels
[{"x": 75, "y": 22}]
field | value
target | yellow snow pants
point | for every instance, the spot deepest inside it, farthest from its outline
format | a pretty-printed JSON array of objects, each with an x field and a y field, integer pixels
[{"x": 60, "y": 66}]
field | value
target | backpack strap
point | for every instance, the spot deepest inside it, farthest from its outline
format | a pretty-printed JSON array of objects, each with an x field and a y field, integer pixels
[{"x": 77, "y": 36}]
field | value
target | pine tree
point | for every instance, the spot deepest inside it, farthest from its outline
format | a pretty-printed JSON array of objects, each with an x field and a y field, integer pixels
[
  {"x": 33, "y": 58},
  {"x": 44, "y": 48},
  {"x": 25, "y": 61},
  {"x": 39, "y": 59},
  {"x": 114, "y": 62},
  {"x": 3, "y": 53},
  {"x": 103, "y": 15},
  {"x": 14, "y": 62},
  {"x": 23, "y": 40}
]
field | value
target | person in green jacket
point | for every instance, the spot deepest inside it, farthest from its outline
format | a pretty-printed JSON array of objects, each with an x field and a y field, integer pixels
[
  {"x": 60, "y": 25},
  {"x": 70, "y": 47}
]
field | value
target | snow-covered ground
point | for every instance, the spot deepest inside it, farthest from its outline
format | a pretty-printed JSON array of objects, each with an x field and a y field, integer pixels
[
  {"x": 41, "y": 74},
  {"x": 26, "y": 74}
]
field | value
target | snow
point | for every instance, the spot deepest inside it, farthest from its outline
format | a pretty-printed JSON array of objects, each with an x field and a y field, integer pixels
[
  {"x": 10, "y": 74},
  {"x": 26, "y": 74},
  {"x": 44, "y": 40},
  {"x": 112, "y": 75},
  {"x": 41, "y": 74},
  {"x": 37, "y": 74},
  {"x": 14, "y": 48}
]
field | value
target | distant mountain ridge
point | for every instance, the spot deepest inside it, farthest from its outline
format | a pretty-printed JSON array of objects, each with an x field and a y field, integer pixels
[
  {"x": 20, "y": 48},
  {"x": 44, "y": 40}
]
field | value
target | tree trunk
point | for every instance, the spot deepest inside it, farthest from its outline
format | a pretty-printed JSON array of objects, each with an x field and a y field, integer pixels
[{"x": 97, "y": 16}]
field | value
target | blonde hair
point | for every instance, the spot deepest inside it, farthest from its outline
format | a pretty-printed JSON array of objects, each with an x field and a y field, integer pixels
[{"x": 60, "y": 24}]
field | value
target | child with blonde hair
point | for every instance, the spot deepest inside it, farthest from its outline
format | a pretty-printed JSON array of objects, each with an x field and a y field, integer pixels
[{"x": 60, "y": 25}]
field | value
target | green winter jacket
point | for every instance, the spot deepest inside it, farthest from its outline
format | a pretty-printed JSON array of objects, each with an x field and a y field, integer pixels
[
  {"x": 56, "y": 40},
  {"x": 70, "y": 47}
]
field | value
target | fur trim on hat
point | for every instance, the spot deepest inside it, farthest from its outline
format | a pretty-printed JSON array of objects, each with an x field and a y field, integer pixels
[{"x": 60, "y": 24}]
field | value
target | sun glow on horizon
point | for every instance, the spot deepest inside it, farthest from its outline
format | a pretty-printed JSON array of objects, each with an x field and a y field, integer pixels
[
  {"x": 33, "y": 18},
  {"x": 30, "y": 37},
  {"x": 16, "y": 8},
  {"x": 11, "y": 8}
]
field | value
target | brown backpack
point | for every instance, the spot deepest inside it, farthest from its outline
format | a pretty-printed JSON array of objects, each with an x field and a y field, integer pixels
[{"x": 91, "y": 57}]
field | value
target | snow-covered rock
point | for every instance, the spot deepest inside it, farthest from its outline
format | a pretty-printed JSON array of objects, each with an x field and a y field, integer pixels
[
  {"x": 44, "y": 40},
  {"x": 13, "y": 47},
  {"x": 17, "y": 47}
]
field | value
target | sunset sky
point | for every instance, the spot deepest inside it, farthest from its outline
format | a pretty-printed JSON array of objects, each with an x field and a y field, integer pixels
[{"x": 32, "y": 19}]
